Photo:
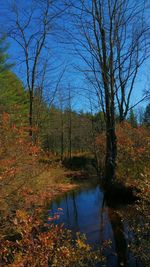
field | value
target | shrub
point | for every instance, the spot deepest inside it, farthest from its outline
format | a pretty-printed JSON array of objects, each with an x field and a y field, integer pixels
[
  {"x": 133, "y": 157},
  {"x": 53, "y": 247}
]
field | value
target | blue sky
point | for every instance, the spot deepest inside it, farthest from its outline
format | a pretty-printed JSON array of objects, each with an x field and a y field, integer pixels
[{"x": 63, "y": 55}]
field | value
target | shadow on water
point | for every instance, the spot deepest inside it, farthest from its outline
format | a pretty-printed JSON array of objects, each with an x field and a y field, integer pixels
[{"x": 87, "y": 211}]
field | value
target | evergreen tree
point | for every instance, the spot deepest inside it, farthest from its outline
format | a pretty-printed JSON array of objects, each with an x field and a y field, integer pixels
[
  {"x": 146, "y": 119},
  {"x": 132, "y": 119},
  {"x": 13, "y": 98},
  {"x": 4, "y": 65}
]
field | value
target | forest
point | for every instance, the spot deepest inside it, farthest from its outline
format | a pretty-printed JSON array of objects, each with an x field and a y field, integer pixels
[{"x": 75, "y": 133}]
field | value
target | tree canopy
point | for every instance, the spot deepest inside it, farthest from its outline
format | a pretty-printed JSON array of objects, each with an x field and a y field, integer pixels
[{"x": 13, "y": 98}]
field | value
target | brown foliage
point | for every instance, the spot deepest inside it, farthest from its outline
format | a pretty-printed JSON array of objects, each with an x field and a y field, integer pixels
[
  {"x": 18, "y": 160},
  {"x": 133, "y": 155}
]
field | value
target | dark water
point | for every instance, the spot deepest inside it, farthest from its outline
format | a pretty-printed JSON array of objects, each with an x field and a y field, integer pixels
[{"x": 87, "y": 212}]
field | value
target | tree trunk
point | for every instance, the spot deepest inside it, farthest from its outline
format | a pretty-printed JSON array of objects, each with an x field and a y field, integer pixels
[
  {"x": 70, "y": 136},
  {"x": 31, "y": 115},
  {"x": 111, "y": 139},
  {"x": 62, "y": 137},
  {"x": 111, "y": 154}
]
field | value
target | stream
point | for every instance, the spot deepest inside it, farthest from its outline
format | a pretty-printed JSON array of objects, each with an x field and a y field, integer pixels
[{"x": 86, "y": 211}]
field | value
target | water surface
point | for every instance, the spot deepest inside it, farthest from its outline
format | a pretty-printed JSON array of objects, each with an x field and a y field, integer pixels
[{"x": 86, "y": 211}]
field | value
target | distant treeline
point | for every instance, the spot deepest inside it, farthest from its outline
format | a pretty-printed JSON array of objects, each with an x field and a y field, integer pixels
[{"x": 61, "y": 131}]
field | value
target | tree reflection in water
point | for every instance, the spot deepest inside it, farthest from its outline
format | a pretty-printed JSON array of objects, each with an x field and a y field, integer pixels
[{"x": 87, "y": 211}]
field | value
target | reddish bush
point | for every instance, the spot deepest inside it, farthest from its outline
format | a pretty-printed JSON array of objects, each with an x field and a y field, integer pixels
[{"x": 133, "y": 157}]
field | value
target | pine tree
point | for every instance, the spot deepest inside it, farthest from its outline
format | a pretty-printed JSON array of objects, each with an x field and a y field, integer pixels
[
  {"x": 146, "y": 119},
  {"x": 132, "y": 119},
  {"x": 13, "y": 99},
  {"x": 4, "y": 64}
]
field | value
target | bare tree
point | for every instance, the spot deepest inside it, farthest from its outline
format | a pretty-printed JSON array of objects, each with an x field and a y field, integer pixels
[
  {"x": 69, "y": 122},
  {"x": 61, "y": 107},
  {"x": 31, "y": 30},
  {"x": 112, "y": 41}
]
